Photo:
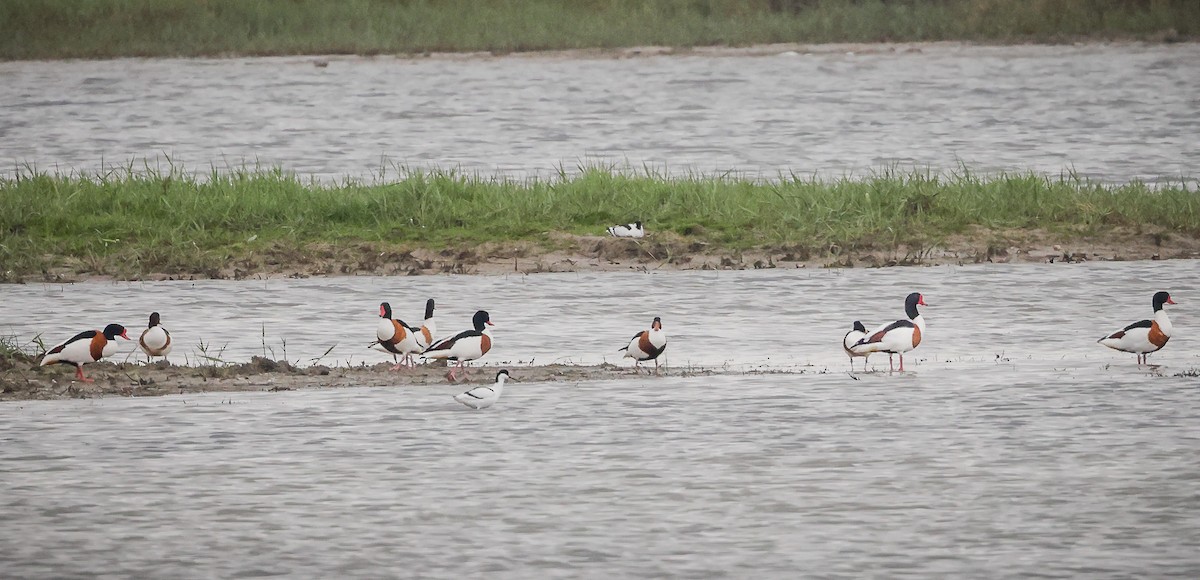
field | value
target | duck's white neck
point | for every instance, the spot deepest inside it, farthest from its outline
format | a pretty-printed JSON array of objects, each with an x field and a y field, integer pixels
[
  {"x": 1164, "y": 323},
  {"x": 919, "y": 322}
]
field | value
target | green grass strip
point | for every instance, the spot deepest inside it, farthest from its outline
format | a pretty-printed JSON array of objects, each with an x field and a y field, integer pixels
[
  {"x": 50, "y": 29},
  {"x": 155, "y": 222}
]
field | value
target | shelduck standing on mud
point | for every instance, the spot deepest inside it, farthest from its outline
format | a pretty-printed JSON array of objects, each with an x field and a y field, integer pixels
[
  {"x": 465, "y": 346},
  {"x": 400, "y": 339},
  {"x": 1144, "y": 336},
  {"x": 86, "y": 347},
  {"x": 898, "y": 337},
  {"x": 633, "y": 230},
  {"x": 484, "y": 397},
  {"x": 856, "y": 334},
  {"x": 155, "y": 340},
  {"x": 647, "y": 345}
]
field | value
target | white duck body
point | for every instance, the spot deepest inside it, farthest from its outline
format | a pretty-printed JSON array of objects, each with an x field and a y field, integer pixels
[
  {"x": 155, "y": 340},
  {"x": 646, "y": 345},
  {"x": 633, "y": 230},
  {"x": 898, "y": 337},
  {"x": 484, "y": 397},
  {"x": 464, "y": 346},
  {"x": 1144, "y": 336}
]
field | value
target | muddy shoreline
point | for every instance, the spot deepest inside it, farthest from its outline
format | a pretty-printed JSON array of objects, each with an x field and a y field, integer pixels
[
  {"x": 657, "y": 252},
  {"x": 21, "y": 379}
]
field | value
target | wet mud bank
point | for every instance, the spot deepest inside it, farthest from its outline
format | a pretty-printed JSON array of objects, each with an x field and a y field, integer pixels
[{"x": 21, "y": 379}]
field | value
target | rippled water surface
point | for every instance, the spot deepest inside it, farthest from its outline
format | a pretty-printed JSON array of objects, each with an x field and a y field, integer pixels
[
  {"x": 1014, "y": 446},
  {"x": 1112, "y": 112}
]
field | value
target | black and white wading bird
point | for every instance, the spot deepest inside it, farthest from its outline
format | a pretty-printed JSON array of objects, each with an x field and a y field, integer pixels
[
  {"x": 856, "y": 334},
  {"x": 484, "y": 397},
  {"x": 633, "y": 230}
]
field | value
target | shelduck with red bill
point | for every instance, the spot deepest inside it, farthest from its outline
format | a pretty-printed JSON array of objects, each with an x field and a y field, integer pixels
[
  {"x": 155, "y": 340},
  {"x": 897, "y": 337},
  {"x": 86, "y": 347},
  {"x": 857, "y": 333},
  {"x": 1144, "y": 336},
  {"x": 465, "y": 346},
  {"x": 647, "y": 345},
  {"x": 401, "y": 340}
]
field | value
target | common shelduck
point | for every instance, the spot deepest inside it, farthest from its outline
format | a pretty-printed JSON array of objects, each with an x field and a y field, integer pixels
[
  {"x": 155, "y": 340},
  {"x": 400, "y": 339},
  {"x": 856, "y": 334},
  {"x": 647, "y": 345},
  {"x": 633, "y": 230},
  {"x": 86, "y": 347},
  {"x": 898, "y": 337},
  {"x": 464, "y": 346},
  {"x": 484, "y": 397},
  {"x": 1144, "y": 336}
]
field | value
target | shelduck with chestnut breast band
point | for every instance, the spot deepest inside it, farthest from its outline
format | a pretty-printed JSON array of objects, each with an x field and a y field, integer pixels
[
  {"x": 155, "y": 340},
  {"x": 86, "y": 347},
  {"x": 465, "y": 346},
  {"x": 898, "y": 337},
  {"x": 398, "y": 338},
  {"x": 646, "y": 345},
  {"x": 1144, "y": 336}
]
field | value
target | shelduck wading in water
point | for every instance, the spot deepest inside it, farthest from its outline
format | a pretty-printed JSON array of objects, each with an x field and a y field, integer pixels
[
  {"x": 856, "y": 334},
  {"x": 484, "y": 397},
  {"x": 898, "y": 337},
  {"x": 86, "y": 347},
  {"x": 465, "y": 346},
  {"x": 155, "y": 340},
  {"x": 633, "y": 230},
  {"x": 647, "y": 345},
  {"x": 1144, "y": 336},
  {"x": 400, "y": 339}
]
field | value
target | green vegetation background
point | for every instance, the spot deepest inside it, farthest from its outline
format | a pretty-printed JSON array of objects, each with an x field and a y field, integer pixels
[{"x": 51, "y": 29}]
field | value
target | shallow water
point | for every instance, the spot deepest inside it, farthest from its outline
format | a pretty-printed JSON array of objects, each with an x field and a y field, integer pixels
[
  {"x": 1057, "y": 458},
  {"x": 781, "y": 319},
  {"x": 1110, "y": 112}
]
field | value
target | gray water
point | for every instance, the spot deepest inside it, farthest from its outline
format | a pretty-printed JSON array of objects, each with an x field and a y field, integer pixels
[
  {"x": 1108, "y": 112},
  {"x": 1014, "y": 445}
]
